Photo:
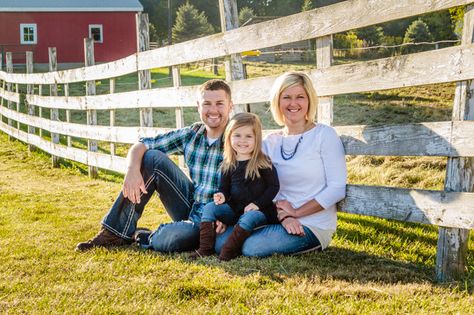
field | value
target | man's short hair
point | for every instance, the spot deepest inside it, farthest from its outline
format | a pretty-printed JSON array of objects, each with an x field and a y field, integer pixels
[{"x": 214, "y": 85}]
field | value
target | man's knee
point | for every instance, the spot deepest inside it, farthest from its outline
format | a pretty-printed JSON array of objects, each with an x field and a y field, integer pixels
[{"x": 154, "y": 158}]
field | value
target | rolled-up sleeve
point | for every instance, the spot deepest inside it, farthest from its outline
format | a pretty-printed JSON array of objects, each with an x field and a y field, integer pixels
[{"x": 170, "y": 143}]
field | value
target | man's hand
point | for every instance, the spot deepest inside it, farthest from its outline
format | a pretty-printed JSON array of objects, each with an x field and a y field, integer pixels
[
  {"x": 219, "y": 198},
  {"x": 293, "y": 226},
  {"x": 286, "y": 206},
  {"x": 250, "y": 207},
  {"x": 220, "y": 227},
  {"x": 133, "y": 186}
]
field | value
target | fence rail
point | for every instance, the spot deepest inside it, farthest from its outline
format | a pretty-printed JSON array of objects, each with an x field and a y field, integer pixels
[{"x": 449, "y": 209}]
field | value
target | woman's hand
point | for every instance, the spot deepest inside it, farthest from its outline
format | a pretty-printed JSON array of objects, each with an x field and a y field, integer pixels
[
  {"x": 250, "y": 207},
  {"x": 293, "y": 226},
  {"x": 219, "y": 198},
  {"x": 220, "y": 227},
  {"x": 286, "y": 206}
]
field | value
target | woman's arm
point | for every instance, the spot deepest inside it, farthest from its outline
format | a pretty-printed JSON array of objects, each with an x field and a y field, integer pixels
[
  {"x": 286, "y": 209},
  {"x": 334, "y": 163}
]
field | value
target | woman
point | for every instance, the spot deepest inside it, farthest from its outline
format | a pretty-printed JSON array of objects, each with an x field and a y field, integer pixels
[{"x": 309, "y": 159}]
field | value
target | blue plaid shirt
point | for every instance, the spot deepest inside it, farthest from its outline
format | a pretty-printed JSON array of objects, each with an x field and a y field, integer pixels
[{"x": 202, "y": 159}]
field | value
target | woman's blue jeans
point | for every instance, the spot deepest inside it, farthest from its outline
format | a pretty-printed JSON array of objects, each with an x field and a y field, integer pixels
[
  {"x": 224, "y": 213},
  {"x": 176, "y": 192},
  {"x": 273, "y": 239}
]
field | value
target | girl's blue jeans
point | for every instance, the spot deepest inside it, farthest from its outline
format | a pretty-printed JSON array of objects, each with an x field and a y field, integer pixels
[{"x": 224, "y": 213}]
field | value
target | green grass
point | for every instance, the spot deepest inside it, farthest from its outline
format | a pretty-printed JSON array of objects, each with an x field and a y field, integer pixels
[{"x": 373, "y": 266}]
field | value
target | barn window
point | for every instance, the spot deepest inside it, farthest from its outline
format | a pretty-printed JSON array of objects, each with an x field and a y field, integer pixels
[
  {"x": 28, "y": 34},
  {"x": 95, "y": 32}
]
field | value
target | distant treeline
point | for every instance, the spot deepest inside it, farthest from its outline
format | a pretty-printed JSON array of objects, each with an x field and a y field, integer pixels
[{"x": 188, "y": 17}]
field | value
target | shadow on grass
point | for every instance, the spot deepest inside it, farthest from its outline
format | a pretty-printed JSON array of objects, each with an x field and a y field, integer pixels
[{"x": 335, "y": 263}]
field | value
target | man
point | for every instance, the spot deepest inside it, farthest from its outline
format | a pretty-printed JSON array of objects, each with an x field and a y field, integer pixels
[{"x": 150, "y": 170}]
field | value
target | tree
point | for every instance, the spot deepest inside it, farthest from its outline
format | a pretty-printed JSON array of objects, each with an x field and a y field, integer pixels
[
  {"x": 417, "y": 32},
  {"x": 307, "y": 5},
  {"x": 190, "y": 24},
  {"x": 440, "y": 25},
  {"x": 372, "y": 35},
  {"x": 245, "y": 14}
]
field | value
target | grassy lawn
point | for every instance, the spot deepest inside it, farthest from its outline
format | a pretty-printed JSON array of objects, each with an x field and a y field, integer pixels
[{"x": 373, "y": 266}]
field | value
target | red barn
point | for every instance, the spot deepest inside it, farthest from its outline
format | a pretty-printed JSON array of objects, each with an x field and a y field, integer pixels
[{"x": 34, "y": 25}]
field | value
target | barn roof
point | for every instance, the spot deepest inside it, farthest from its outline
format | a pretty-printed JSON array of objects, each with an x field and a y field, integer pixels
[{"x": 70, "y": 6}]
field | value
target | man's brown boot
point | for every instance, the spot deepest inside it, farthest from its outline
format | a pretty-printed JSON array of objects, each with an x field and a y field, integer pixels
[
  {"x": 104, "y": 238},
  {"x": 207, "y": 240},
  {"x": 233, "y": 246}
]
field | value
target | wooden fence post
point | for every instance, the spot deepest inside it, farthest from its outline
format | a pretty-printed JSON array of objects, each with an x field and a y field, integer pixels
[
  {"x": 90, "y": 90},
  {"x": 144, "y": 76},
  {"x": 40, "y": 109},
  {"x": 112, "y": 115},
  {"x": 9, "y": 65},
  {"x": 451, "y": 257},
  {"x": 53, "y": 91},
  {"x": 179, "y": 110},
  {"x": 324, "y": 59},
  {"x": 30, "y": 91},
  {"x": 234, "y": 69},
  {"x": 68, "y": 113}
]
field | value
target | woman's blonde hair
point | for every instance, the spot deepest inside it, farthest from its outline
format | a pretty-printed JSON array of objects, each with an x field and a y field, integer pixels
[
  {"x": 288, "y": 80},
  {"x": 257, "y": 159}
]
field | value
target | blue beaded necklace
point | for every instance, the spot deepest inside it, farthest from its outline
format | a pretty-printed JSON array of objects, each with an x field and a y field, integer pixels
[{"x": 288, "y": 155}]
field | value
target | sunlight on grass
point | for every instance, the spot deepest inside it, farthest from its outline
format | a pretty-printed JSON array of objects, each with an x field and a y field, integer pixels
[{"x": 373, "y": 265}]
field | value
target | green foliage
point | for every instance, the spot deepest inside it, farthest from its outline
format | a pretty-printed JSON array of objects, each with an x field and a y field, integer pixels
[
  {"x": 417, "y": 32},
  {"x": 307, "y": 5},
  {"x": 440, "y": 25},
  {"x": 457, "y": 19},
  {"x": 153, "y": 33},
  {"x": 190, "y": 24},
  {"x": 348, "y": 41},
  {"x": 158, "y": 13},
  {"x": 372, "y": 35},
  {"x": 245, "y": 14}
]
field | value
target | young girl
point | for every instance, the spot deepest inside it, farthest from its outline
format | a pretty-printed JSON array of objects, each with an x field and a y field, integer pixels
[{"x": 248, "y": 185}]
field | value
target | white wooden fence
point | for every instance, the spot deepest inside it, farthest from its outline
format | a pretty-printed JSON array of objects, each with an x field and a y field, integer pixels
[{"x": 452, "y": 209}]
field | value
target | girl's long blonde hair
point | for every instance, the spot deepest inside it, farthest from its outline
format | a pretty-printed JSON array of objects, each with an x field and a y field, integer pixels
[{"x": 257, "y": 159}]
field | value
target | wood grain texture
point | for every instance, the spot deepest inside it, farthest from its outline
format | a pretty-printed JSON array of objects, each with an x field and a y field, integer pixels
[
  {"x": 421, "y": 139},
  {"x": 451, "y": 256},
  {"x": 448, "y": 209},
  {"x": 99, "y": 133},
  {"x": 53, "y": 91},
  {"x": 89, "y": 60},
  {"x": 443, "y": 65},
  {"x": 324, "y": 59},
  {"x": 105, "y": 161},
  {"x": 9, "y": 95}
]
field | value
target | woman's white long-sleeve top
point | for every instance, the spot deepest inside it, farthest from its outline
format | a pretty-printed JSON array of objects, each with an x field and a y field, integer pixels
[{"x": 316, "y": 171}]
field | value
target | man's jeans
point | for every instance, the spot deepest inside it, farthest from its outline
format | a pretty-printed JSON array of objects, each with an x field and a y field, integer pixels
[
  {"x": 224, "y": 213},
  {"x": 176, "y": 190}
]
